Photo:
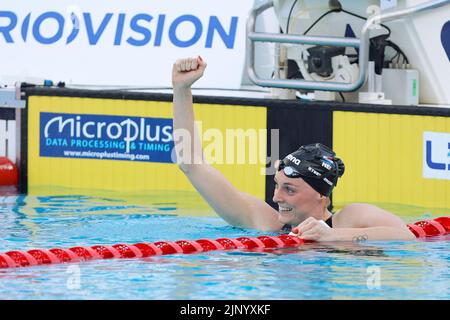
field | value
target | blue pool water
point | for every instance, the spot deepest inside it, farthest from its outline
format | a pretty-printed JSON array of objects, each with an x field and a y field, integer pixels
[{"x": 373, "y": 270}]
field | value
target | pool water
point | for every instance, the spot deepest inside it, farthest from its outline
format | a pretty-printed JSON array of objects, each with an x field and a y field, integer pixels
[{"x": 372, "y": 270}]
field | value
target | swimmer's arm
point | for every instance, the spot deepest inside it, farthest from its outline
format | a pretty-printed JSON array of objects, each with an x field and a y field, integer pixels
[
  {"x": 357, "y": 221},
  {"x": 235, "y": 207},
  {"x": 370, "y": 234},
  {"x": 188, "y": 145},
  {"x": 186, "y": 138}
]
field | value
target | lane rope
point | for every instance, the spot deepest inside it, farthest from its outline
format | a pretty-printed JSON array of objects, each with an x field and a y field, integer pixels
[{"x": 12, "y": 259}]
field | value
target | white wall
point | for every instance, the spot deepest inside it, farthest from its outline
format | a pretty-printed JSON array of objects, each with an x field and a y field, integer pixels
[{"x": 8, "y": 139}]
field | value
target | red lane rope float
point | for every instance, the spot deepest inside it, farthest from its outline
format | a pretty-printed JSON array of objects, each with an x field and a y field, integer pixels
[
  {"x": 9, "y": 175},
  {"x": 13, "y": 259},
  {"x": 431, "y": 228}
]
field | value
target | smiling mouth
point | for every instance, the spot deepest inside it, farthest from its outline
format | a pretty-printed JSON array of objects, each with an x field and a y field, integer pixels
[{"x": 284, "y": 210}]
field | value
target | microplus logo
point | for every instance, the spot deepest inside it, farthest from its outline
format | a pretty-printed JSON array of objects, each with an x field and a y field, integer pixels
[
  {"x": 140, "y": 29},
  {"x": 106, "y": 137},
  {"x": 436, "y": 155}
]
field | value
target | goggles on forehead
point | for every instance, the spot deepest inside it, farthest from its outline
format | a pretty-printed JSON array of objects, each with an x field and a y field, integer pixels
[
  {"x": 307, "y": 171},
  {"x": 288, "y": 170}
]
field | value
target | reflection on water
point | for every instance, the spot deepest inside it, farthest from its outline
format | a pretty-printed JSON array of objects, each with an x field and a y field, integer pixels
[{"x": 372, "y": 270}]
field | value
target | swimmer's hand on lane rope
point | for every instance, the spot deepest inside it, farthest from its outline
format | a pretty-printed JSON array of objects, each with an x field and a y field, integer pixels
[
  {"x": 186, "y": 71},
  {"x": 313, "y": 229},
  {"x": 296, "y": 229}
]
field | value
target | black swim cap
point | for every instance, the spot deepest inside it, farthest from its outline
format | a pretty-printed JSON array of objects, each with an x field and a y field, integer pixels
[{"x": 316, "y": 164}]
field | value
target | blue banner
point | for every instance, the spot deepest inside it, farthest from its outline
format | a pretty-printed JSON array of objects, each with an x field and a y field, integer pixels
[{"x": 107, "y": 137}]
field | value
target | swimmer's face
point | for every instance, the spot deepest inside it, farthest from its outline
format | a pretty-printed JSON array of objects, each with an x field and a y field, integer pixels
[{"x": 296, "y": 199}]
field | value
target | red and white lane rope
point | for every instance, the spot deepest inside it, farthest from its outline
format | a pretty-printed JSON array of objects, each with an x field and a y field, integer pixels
[
  {"x": 13, "y": 259},
  {"x": 35, "y": 257}
]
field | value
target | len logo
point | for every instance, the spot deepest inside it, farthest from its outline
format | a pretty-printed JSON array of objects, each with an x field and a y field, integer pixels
[{"x": 436, "y": 155}]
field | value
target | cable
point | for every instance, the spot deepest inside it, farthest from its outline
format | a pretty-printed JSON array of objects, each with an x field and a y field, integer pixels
[
  {"x": 363, "y": 18},
  {"x": 289, "y": 16},
  {"x": 325, "y": 14},
  {"x": 397, "y": 54},
  {"x": 320, "y": 18},
  {"x": 397, "y": 48},
  {"x": 348, "y": 12}
]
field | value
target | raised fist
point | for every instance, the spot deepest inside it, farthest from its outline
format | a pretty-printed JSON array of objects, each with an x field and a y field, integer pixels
[{"x": 186, "y": 71}]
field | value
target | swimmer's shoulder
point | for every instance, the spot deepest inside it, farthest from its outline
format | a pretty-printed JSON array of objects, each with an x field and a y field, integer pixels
[{"x": 356, "y": 215}]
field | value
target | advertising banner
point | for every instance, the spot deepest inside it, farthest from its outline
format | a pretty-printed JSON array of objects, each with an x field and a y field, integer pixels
[
  {"x": 393, "y": 159},
  {"x": 127, "y": 145},
  {"x": 436, "y": 155},
  {"x": 122, "y": 43},
  {"x": 102, "y": 136}
]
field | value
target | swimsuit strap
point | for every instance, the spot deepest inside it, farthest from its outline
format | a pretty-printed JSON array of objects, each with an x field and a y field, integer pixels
[{"x": 329, "y": 222}]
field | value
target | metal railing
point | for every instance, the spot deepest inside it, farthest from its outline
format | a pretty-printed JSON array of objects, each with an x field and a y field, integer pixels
[{"x": 362, "y": 43}]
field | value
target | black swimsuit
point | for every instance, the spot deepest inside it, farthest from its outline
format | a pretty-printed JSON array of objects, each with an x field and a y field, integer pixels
[{"x": 329, "y": 222}]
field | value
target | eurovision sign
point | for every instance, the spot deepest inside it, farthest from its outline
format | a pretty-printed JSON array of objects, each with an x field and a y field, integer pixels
[{"x": 125, "y": 43}]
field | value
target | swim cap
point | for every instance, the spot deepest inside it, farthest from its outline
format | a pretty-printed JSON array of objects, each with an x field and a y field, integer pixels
[{"x": 316, "y": 164}]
